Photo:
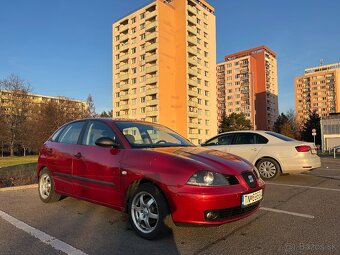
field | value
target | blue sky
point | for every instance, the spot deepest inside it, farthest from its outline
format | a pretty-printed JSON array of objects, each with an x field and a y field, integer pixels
[{"x": 63, "y": 47}]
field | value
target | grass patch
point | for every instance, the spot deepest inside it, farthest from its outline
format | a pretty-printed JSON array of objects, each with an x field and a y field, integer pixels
[{"x": 14, "y": 161}]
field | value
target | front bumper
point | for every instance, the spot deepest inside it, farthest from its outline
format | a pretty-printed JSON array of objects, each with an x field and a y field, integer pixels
[{"x": 190, "y": 204}]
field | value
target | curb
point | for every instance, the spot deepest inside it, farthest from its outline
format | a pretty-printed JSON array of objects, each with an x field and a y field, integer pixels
[{"x": 32, "y": 186}]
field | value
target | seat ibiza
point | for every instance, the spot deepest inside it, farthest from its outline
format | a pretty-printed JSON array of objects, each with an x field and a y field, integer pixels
[{"x": 147, "y": 171}]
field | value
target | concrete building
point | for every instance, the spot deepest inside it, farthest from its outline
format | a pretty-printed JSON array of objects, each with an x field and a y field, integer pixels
[
  {"x": 8, "y": 100},
  {"x": 318, "y": 89},
  {"x": 247, "y": 83},
  {"x": 330, "y": 131},
  {"x": 164, "y": 67}
]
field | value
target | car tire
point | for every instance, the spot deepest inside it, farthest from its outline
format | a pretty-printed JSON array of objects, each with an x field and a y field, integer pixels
[
  {"x": 46, "y": 189},
  {"x": 268, "y": 168},
  {"x": 148, "y": 212}
]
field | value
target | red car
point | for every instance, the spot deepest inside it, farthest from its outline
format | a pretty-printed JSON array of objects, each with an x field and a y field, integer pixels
[{"x": 148, "y": 171}]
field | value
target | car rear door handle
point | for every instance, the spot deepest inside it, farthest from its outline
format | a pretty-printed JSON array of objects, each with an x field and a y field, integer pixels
[
  {"x": 254, "y": 149},
  {"x": 78, "y": 155}
]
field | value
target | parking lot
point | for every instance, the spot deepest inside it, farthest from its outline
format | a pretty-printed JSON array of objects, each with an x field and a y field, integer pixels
[{"x": 300, "y": 214}]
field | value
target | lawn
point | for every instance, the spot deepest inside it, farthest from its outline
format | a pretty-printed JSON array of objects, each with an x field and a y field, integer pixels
[{"x": 13, "y": 161}]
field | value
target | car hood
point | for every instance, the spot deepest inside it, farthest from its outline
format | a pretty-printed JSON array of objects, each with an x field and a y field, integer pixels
[{"x": 209, "y": 159}]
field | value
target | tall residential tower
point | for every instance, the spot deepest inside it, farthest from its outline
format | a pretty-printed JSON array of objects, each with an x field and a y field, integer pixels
[
  {"x": 247, "y": 83},
  {"x": 164, "y": 67},
  {"x": 318, "y": 89}
]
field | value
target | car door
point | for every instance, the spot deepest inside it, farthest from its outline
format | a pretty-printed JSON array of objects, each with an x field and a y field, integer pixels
[
  {"x": 220, "y": 142},
  {"x": 247, "y": 145},
  {"x": 60, "y": 150},
  {"x": 96, "y": 170}
]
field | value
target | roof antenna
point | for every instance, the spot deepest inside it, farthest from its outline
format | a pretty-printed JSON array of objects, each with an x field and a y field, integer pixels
[{"x": 321, "y": 62}]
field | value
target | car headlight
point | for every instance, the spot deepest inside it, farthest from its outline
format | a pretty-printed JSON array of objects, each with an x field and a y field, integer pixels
[{"x": 207, "y": 178}]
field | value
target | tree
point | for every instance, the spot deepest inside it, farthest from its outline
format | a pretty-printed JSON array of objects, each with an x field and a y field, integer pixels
[
  {"x": 17, "y": 103},
  {"x": 312, "y": 122},
  {"x": 91, "y": 108},
  {"x": 235, "y": 121},
  {"x": 283, "y": 125},
  {"x": 105, "y": 114}
]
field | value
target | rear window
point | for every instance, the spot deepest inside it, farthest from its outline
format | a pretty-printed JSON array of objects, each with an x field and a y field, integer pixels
[{"x": 282, "y": 137}]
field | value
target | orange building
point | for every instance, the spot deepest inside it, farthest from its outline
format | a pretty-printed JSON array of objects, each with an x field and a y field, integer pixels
[
  {"x": 247, "y": 83},
  {"x": 318, "y": 89},
  {"x": 164, "y": 67}
]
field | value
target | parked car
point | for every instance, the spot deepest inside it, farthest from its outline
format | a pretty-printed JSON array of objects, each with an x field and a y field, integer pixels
[
  {"x": 270, "y": 152},
  {"x": 148, "y": 171}
]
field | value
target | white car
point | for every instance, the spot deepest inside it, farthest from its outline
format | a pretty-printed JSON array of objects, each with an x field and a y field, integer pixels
[{"x": 270, "y": 152}]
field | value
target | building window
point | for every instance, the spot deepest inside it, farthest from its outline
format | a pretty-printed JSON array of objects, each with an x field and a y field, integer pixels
[
  {"x": 134, "y": 70},
  {"x": 133, "y": 20},
  {"x": 133, "y": 30},
  {"x": 205, "y": 25},
  {"x": 142, "y": 26},
  {"x": 142, "y": 57},
  {"x": 142, "y": 15},
  {"x": 133, "y": 60},
  {"x": 142, "y": 110},
  {"x": 142, "y": 37},
  {"x": 142, "y": 99}
]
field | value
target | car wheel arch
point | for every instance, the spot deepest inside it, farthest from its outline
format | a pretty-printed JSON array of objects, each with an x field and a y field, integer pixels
[
  {"x": 272, "y": 158},
  {"x": 134, "y": 186}
]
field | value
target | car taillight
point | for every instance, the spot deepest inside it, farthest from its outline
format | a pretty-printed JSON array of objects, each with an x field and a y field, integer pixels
[{"x": 303, "y": 148}]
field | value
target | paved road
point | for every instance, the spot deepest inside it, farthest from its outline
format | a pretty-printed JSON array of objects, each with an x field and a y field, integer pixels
[{"x": 300, "y": 215}]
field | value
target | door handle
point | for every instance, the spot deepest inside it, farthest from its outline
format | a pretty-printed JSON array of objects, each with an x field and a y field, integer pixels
[
  {"x": 78, "y": 155},
  {"x": 254, "y": 149}
]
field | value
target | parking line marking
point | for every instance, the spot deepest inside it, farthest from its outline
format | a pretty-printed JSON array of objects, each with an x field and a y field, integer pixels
[
  {"x": 286, "y": 212},
  {"x": 32, "y": 186},
  {"x": 302, "y": 186},
  {"x": 42, "y": 236}
]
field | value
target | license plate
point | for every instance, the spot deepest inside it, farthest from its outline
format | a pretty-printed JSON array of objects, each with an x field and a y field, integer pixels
[{"x": 251, "y": 198}]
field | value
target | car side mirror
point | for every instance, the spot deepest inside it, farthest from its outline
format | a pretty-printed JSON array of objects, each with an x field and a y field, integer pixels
[{"x": 106, "y": 142}]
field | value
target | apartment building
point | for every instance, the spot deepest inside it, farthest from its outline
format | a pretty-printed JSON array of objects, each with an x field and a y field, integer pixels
[
  {"x": 8, "y": 99},
  {"x": 318, "y": 89},
  {"x": 247, "y": 83},
  {"x": 164, "y": 67}
]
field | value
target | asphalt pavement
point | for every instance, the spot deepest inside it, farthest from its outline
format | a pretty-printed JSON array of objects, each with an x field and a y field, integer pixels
[{"x": 300, "y": 214}]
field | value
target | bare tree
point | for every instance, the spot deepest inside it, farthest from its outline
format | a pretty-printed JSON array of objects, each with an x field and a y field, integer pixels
[
  {"x": 90, "y": 107},
  {"x": 15, "y": 104}
]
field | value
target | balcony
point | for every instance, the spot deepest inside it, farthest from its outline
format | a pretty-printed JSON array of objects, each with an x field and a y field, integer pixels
[
  {"x": 192, "y": 9},
  {"x": 150, "y": 15},
  {"x": 151, "y": 47},
  {"x": 151, "y": 80},
  {"x": 193, "y": 114},
  {"x": 192, "y": 82},
  {"x": 192, "y": 93},
  {"x": 192, "y": 40},
  {"x": 151, "y": 69},
  {"x": 152, "y": 102},
  {"x": 151, "y": 113},
  {"x": 124, "y": 107},
  {"x": 192, "y": 125},
  {"x": 192, "y": 103},
  {"x": 192, "y": 71},
  {"x": 124, "y": 87},
  {"x": 124, "y": 67},
  {"x": 124, "y": 57},
  {"x": 151, "y": 36},
  {"x": 192, "y": 30},
  {"x": 124, "y": 47},
  {"x": 123, "y": 77},
  {"x": 192, "y": 51},
  {"x": 123, "y": 37},
  {"x": 152, "y": 90},
  {"x": 123, "y": 28},
  {"x": 124, "y": 97},
  {"x": 192, "y": 61},
  {"x": 192, "y": 19},
  {"x": 151, "y": 25},
  {"x": 151, "y": 58}
]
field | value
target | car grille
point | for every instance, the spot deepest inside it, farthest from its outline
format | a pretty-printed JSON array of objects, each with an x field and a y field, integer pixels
[
  {"x": 250, "y": 179},
  {"x": 230, "y": 213},
  {"x": 231, "y": 179}
]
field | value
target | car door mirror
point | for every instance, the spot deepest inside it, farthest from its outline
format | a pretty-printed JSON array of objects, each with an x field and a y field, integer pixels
[{"x": 106, "y": 142}]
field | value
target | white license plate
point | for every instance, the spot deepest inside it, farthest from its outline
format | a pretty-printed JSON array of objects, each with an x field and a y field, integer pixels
[{"x": 248, "y": 199}]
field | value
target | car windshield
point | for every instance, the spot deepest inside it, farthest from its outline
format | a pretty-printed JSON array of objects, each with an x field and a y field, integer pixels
[
  {"x": 147, "y": 135},
  {"x": 282, "y": 137}
]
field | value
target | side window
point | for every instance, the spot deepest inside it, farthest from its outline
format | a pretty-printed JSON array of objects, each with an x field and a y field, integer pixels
[
  {"x": 71, "y": 132},
  {"x": 56, "y": 134},
  {"x": 220, "y": 140},
  {"x": 261, "y": 139},
  {"x": 96, "y": 130},
  {"x": 245, "y": 138}
]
